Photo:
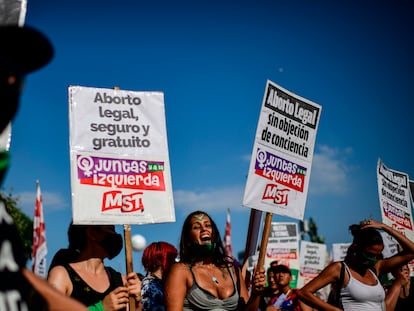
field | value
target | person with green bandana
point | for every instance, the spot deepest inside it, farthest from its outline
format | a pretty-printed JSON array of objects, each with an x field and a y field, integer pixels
[
  {"x": 360, "y": 287},
  {"x": 205, "y": 278},
  {"x": 80, "y": 272}
]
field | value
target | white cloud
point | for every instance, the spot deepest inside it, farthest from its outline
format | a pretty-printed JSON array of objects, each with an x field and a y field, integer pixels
[
  {"x": 210, "y": 200},
  {"x": 329, "y": 175},
  {"x": 329, "y": 171},
  {"x": 51, "y": 201}
]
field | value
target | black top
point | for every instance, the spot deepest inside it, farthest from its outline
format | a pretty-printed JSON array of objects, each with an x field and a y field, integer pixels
[
  {"x": 87, "y": 295},
  {"x": 406, "y": 304}
]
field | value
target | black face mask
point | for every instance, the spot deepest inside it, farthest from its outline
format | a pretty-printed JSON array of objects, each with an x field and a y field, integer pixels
[{"x": 112, "y": 243}]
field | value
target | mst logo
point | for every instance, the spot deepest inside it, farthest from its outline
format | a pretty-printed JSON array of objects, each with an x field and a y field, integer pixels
[
  {"x": 127, "y": 203},
  {"x": 277, "y": 195}
]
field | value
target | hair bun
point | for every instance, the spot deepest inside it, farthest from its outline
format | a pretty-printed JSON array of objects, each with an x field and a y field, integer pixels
[{"x": 354, "y": 229}]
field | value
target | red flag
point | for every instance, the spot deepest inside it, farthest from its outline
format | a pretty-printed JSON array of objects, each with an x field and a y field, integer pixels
[
  {"x": 227, "y": 236},
  {"x": 39, "y": 250}
]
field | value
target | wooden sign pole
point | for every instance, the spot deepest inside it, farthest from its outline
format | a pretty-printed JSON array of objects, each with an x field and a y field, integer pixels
[
  {"x": 265, "y": 238},
  {"x": 128, "y": 260},
  {"x": 128, "y": 252}
]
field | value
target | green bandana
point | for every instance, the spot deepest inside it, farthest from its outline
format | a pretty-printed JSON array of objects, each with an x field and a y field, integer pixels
[
  {"x": 368, "y": 261},
  {"x": 4, "y": 163},
  {"x": 202, "y": 250}
]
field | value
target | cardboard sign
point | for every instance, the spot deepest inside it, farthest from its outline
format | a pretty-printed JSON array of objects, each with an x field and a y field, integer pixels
[{"x": 120, "y": 169}]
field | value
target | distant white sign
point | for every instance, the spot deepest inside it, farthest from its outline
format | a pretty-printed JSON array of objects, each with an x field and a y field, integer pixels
[
  {"x": 120, "y": 169},
  {"x": 282, "y": 154},
  {"x": 339, "y": 250},
  {"x": 395, "y": 199},
  {"x": 312, "y": 261},
  {"x": 283, "y": 247}
]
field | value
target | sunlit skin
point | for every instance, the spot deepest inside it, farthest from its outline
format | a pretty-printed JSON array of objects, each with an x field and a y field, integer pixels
[
  {"x": 201, "y": 229},
  {"x": 211, "y": 276},
  {"x": 361, "y": 272},
  {"x": 282, "y": 280},
  {"x": 90, "y": 267}
]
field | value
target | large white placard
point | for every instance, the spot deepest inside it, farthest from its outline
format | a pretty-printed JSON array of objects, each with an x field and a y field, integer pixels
[
  {"x": 120, "y": 169},
  {"x": 282, "y": 154}
]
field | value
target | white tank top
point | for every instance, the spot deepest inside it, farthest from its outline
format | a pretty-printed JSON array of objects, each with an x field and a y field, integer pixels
[{"x": 357, "y": 296}]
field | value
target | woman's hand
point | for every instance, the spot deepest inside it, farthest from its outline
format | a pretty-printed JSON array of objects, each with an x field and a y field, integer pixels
[
  {"x": 370, "y": 223},
  {"x": 403, "y": 276},
  {"x": 134, "y": 285},
  {"x": 405, "y": 254},
  {"x": 259, "y": 280},
  {"x": 116, "y": 300}
]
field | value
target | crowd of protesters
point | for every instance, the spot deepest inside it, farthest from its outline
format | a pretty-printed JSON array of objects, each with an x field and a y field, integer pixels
[{"x": 197, "y": 276}]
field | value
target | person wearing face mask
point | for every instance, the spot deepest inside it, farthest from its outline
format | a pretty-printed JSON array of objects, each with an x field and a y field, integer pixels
[
  {"x": 80, "y": 273},
  {"x": 205, "y": 278},
  {"x": 361, "y": 288}
]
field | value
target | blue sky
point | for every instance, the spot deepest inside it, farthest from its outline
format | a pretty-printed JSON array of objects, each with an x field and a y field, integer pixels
[{"x": 212, "y": 59}]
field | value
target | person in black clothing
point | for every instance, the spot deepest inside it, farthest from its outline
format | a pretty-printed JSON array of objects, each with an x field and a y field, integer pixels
[
  {"x": 22, "y": 51},
  {"x": 405, "y": 301},
  {"x": 83, "y": 275}
]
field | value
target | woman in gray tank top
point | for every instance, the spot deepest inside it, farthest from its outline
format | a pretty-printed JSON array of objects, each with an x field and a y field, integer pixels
[{"x": 205, "y": 278}]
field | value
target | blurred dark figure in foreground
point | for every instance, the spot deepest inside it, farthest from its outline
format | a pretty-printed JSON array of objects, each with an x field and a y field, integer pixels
[{"x": 23, "y": 50}]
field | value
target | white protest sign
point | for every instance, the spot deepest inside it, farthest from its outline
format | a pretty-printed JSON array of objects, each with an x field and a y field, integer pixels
[
  {"x": 120, "y": 169},
  {"x": 395, "y": 201},
  {"x": 312, "y": 261},
  {"x": 339, "y": 250},
  {"x": 282, "y": 154},
  {"x": 283, "y": 247}
]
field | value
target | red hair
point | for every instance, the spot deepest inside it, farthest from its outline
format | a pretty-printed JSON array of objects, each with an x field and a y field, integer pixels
[{"x": 159, "y": 254}]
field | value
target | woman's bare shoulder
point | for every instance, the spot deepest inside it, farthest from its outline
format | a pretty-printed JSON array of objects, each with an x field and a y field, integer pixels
[
  {"x": 58, "y": 270},
  {"x": 178, "y": 274},
  {"x": 331, "y": 271},
  {"x": 334, "y": 266},
  {"x": 59, "y": 278},
  {"x": 180, "y": 267}
]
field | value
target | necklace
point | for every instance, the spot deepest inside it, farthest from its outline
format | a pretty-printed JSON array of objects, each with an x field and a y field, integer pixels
[{"x": 213, "y": 278}]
